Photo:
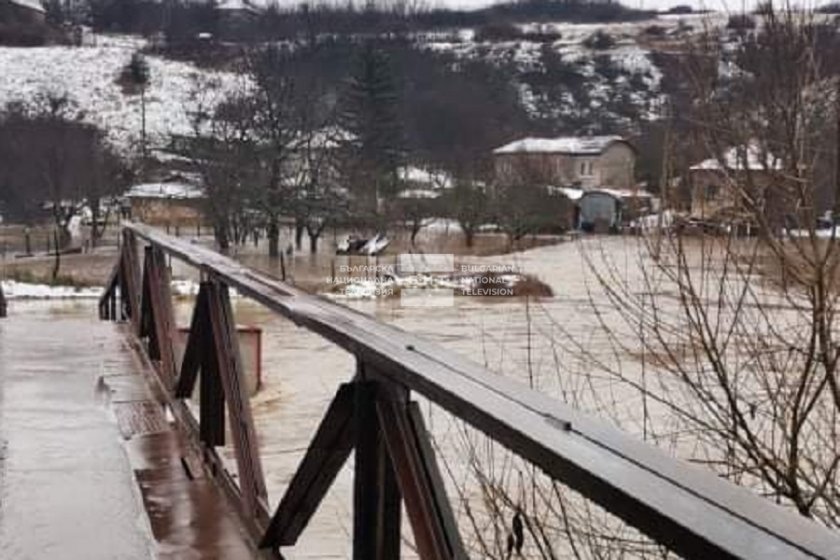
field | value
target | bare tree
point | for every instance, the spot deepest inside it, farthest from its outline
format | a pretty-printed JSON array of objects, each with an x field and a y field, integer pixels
[
  {"x": 222, "y": 148},
  {"x": 734, "y": 334},
  {"x": 319, "y": 200},
  {"x": 723, "y": 339},
  {"x": 523, "y": 203},
  {"x": 55, "y": 162}
]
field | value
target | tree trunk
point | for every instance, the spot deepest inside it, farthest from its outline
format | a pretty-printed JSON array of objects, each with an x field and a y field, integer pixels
[
  {"x": 57, "y": 261},
  {"x": 95, "y": 232},
  {"x": 299, "y": 228},
  {"x": 273, "y": 235},
  {"x": 314, "y": 235},
  {"x": 469, "y": 237},
  {"x": 143, "y": 123},
  {"x": 220, "y": 231}
]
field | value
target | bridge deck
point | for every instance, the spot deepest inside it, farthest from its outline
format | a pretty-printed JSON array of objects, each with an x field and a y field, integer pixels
[{"x": 80, "y": 432}]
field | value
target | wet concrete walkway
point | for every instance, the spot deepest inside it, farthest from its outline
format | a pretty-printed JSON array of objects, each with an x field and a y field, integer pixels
[
  {"x": 89, "y": 467},
  {"x": 66, "y": 487}
]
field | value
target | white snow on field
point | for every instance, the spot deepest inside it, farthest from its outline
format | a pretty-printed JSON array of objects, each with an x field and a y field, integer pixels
[
  {"x": 24, "y": 290},
  {"x": 825, "y": 233},
  {"x": 88, "y": 75}
]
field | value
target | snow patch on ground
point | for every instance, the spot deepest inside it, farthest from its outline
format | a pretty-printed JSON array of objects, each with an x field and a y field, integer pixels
[
  {"x": 13, "y": 289},
  {"x": 24, "y": 290}
]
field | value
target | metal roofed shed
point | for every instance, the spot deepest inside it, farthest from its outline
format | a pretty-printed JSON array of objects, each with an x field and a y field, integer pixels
[{"x": 608, "y": 210}]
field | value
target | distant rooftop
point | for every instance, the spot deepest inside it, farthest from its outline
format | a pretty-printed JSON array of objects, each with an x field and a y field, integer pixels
[
  {"x": 237, "y": 6},
  {"x": 576, "y": 145}
]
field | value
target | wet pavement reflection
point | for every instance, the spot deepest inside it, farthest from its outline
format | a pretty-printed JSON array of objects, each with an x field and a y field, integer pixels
[{"x": 66, "y": 489}]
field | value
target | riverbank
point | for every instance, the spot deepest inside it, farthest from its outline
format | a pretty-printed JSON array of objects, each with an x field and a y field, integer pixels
[{"x": 303, "y": 268}]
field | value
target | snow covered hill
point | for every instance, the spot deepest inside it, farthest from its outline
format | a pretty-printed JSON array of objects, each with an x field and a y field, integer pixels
[
  {"x": 560, "y": 74},
  {"x": 88, "y": 75},
  {"x": 581, "y": 74}
]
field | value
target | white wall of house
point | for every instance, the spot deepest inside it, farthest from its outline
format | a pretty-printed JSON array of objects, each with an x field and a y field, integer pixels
[{"x": 612, "y": 168}]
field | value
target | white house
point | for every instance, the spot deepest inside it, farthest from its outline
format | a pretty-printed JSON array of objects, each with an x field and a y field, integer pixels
[{"x": 566, "y": 161}]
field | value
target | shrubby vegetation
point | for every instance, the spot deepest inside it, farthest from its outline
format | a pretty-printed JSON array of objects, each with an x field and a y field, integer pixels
[{"x": 181, "y": 20}]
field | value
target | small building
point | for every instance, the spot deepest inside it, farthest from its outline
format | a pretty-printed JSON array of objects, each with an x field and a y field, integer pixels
[
  {"x": 582, "y": 161},
  {"x": 608, "y": 210},
  {"x": 718, "y": 184},
  {"x": 168, "y": 203},
  {"x": 22, "y": 12}
]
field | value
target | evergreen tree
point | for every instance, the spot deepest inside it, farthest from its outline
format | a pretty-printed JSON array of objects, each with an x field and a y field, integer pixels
[{"x": 371, "y": 116}]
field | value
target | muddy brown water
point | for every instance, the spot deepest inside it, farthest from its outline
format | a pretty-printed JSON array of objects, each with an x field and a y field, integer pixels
[
  {"x": 301, "y": 373},
  {"x": 522, "y": 339}
]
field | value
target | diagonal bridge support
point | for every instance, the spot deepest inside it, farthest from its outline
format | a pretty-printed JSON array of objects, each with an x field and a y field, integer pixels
[{"x": 393, "y": 459}]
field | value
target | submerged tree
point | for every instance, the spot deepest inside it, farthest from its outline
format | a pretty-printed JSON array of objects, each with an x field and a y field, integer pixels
[{"x": 222, "y": 149}]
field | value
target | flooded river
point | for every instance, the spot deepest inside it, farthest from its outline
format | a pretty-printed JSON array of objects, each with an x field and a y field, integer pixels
[
  {"x": 523, "y": 339},
  {"x": 536, "y": 341}
]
